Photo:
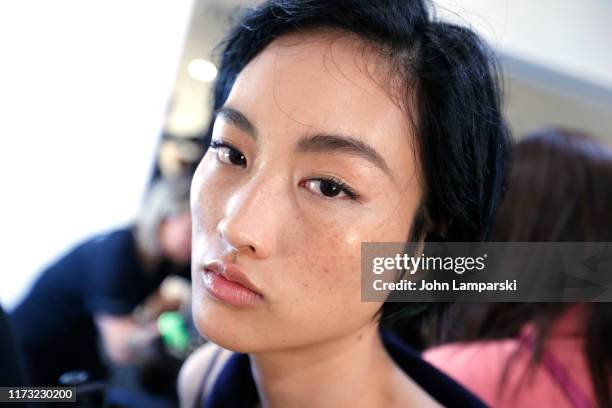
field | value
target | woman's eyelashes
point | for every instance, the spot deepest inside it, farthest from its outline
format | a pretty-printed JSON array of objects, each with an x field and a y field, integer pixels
[
  {"x": 326, "y": 187},
  {"x": 329, "y": 187},
  {"x": 228, "y": 154}
]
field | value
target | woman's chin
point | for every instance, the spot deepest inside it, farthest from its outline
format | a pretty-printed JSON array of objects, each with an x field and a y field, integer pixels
[
  {"x": 234, "y": 342},
  {"x": 227, "y": 331}
]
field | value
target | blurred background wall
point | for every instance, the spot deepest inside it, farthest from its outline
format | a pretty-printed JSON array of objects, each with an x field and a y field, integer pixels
[
  {"x": 92, "y": 85},
  {"x": 555, "y": 54},
  {"x": 84, "y": 87}
]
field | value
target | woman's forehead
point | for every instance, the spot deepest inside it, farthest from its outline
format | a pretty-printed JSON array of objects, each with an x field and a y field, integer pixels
[{"x": 321, "y": 83}]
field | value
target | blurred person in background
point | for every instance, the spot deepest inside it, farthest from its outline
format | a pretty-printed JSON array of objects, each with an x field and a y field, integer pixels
[
  {"x": 542, "y": 354},
  {"x": 91, "y": 294}
]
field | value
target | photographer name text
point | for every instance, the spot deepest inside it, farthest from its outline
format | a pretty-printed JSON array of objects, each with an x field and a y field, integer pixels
[{"x": 454, "y": 285}]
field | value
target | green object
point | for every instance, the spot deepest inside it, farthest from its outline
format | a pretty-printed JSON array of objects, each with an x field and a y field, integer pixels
[{"x": 173, "y": 331}]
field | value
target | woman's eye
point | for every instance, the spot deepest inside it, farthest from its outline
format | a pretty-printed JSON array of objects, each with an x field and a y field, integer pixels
[
  {"x": 329, "y": 188},
  {"x": 228, "y": 154}
]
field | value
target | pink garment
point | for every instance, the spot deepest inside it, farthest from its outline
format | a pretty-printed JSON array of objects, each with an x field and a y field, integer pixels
[{"x": 479, "y": 366}]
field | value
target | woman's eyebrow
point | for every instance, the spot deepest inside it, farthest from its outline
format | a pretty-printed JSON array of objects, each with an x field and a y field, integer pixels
[
  {"x": 238, "y": 119},
  {"x": 345, "y": 144},
  {"x": 316, "y": 143}
]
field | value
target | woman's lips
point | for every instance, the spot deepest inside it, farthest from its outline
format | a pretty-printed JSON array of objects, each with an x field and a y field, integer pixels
[{"x": 227, "y": 283}]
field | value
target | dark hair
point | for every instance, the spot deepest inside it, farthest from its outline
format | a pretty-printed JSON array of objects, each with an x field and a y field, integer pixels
[
  {"x": 559, "y": 189},
  {"x": 462, "y": 140}
]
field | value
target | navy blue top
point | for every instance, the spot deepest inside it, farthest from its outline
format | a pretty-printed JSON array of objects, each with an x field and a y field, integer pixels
[
  {"x": 235, "y": 387},
  {"x": 11, "y": 373},
  {"x": 54, "y": 324}
]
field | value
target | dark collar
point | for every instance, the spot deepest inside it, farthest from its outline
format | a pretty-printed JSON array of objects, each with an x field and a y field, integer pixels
[{"x": 235, "y": 387}]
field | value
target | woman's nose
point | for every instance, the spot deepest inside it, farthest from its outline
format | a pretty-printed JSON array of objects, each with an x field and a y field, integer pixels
[{"x": 251, "y": 219}]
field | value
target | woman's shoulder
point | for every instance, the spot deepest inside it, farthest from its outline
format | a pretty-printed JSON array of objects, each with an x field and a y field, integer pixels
[
  {"x": 479, "y": 365},
  {"x": 461, "y": 351},
  {"x": 458, "y": 359},
  {"x": 206, "y": 361},
  {"x": 104, "y": 245}
]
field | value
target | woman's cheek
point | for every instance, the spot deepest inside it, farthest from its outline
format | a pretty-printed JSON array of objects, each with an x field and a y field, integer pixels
[
  {"x": 336, "y": 266},
  {"x": 330, "y": 284}
]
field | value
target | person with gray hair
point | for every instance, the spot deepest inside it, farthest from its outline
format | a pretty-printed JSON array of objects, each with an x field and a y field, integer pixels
[
  {"x": 90, "y": 295},
  {"x": 165, "y": 201}
]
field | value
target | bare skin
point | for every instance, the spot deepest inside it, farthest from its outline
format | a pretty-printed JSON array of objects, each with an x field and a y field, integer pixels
[{"x": 358, "y": 373}]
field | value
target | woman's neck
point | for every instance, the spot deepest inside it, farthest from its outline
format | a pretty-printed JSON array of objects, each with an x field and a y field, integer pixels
[{"x": 351, "y": 371}]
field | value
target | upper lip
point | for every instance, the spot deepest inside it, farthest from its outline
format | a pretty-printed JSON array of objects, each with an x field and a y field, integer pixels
[{"x": 232, "y": 272}]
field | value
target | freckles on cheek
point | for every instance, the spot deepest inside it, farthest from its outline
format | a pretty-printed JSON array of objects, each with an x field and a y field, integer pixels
[
  {"x": 338, "y": 259},
  {"x": 323, "y": 262}
]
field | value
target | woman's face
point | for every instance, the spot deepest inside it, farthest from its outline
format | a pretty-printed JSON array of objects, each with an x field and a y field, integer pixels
[{"x": 310, "y": 157}]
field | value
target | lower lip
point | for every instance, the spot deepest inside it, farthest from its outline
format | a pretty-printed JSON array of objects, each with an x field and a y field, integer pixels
[{"x": 229, "y": 292}]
